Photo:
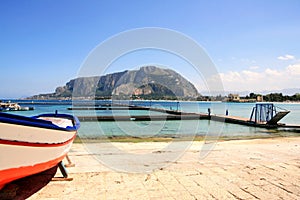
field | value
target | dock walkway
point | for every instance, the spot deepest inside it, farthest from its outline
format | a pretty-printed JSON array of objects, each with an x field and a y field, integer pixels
[{"x": 176, "y": 115}]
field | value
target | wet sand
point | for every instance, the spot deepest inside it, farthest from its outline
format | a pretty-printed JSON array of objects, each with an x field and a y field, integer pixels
[{"x": 237, "y": 169}]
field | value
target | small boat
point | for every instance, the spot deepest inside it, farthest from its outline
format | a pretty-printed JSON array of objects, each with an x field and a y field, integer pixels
[
  {"x": 29, "y": 145},
  {"x": 8, "y": 106}
]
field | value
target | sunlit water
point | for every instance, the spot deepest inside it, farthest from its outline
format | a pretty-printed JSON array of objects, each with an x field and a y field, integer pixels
[{"x": 166, "y": 128}]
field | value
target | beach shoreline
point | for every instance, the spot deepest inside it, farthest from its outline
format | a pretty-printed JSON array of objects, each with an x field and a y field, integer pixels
[
  {"x": 236, "y": 169},
  {"x": 166, "y": 138}
]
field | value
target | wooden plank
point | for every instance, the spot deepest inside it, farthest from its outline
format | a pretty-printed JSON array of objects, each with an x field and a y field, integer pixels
[
  {"x": 143, "y": 117},
  {"x": 278, "y": 117}
]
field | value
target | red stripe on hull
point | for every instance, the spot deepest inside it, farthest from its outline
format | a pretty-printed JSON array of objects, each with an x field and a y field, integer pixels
[
  {"x": 9, "y": 175},
  {"x": 19, "y": 143}
]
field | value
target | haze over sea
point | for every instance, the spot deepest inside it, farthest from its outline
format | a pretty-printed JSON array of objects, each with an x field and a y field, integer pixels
[{"x": 165, "y": 128}]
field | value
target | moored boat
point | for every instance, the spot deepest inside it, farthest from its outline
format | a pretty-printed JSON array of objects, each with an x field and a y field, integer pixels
[
  {"x": 8, "y": 106},
  {"x": 29, "y": 145}
]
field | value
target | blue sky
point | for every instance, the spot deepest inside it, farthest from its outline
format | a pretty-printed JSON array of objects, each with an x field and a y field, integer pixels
[{"x": 254, "y": 44}]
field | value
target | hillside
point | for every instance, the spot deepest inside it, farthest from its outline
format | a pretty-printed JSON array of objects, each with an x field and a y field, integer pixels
[{"x": 146, "y": 83}]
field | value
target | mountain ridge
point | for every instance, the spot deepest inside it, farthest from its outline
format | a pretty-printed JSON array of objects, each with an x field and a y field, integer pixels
[{"x": 148, "y": 82}]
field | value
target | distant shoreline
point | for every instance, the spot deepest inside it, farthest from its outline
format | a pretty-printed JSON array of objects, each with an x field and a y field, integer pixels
[
  {"x": 61, "y": 101},
  {"x": 130, "y": 139}
]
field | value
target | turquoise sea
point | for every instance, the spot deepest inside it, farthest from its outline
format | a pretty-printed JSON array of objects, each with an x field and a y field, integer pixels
[{"x": 164, "y": 128}]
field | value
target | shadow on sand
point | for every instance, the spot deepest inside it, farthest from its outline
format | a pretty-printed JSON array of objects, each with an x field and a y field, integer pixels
[{"x": 26, "y": 187}]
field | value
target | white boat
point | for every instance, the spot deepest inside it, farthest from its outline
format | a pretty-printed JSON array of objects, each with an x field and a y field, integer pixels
[
  {"x": 29, "y": 145},
  {"x": 8, "y": 106}
]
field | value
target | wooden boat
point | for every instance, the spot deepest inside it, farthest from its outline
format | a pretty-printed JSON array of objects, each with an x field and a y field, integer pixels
[{"x": 29, "y": 145}]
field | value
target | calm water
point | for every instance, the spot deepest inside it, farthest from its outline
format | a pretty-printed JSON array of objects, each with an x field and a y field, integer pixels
[{"x": 163, "y": 128}]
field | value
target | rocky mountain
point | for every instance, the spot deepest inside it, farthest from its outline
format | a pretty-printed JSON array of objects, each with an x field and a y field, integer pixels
[{"x": 148, "y": 82}]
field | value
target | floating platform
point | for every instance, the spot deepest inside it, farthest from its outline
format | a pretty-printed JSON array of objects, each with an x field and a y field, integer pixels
[
  {"x": 127, "y": 107},
  {"x": 108, "y": 108},
  {"x": 187, "y": 116},
  {"x": 144, "y": 117},
  {"x": 263, "y": 116}
]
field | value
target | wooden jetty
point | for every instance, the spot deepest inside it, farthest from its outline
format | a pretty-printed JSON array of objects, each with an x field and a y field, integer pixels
[
  {"x": 263, "y": 115},
  {"x": 144, "y": 117},
  {"x": 128, "y": 107},
  {"x": 108, "y": 108},
  {"x": 242, "y": 121}
]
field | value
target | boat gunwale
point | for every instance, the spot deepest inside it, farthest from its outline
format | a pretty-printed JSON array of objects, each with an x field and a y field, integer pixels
[{"x": 40, "y": 123}]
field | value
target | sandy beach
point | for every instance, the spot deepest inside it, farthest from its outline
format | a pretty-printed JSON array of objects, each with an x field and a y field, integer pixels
[{"x": 237, "y": 169}]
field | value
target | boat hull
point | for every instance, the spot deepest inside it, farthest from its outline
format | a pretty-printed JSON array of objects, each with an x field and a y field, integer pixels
[{"x": 29, "y": 149}]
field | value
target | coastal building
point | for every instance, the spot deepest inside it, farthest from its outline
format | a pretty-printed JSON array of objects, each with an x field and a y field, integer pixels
[
  {"x": 234, "y": 97},
  {"x": 259, "y": 98}
]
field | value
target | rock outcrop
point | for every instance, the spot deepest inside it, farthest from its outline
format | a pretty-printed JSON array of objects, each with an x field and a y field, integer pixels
[{"x": 148, "y": 82}]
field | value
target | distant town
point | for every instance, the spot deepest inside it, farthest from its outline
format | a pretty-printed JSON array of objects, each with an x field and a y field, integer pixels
[{"x": 252, "y": 97}]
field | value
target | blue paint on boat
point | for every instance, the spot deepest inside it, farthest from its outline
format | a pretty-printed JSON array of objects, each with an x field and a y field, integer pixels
[{"x": 40, "y": 123}]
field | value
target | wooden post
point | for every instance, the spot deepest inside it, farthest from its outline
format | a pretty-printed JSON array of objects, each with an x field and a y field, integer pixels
[
  {"x": 70, "y": 164},
  {"x": 63, "y": 169}
]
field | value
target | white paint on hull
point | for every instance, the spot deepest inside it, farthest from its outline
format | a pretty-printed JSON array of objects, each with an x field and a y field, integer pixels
[
  {"x": 14, "y": 156},
  {"x": 30, "y": 134}
]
